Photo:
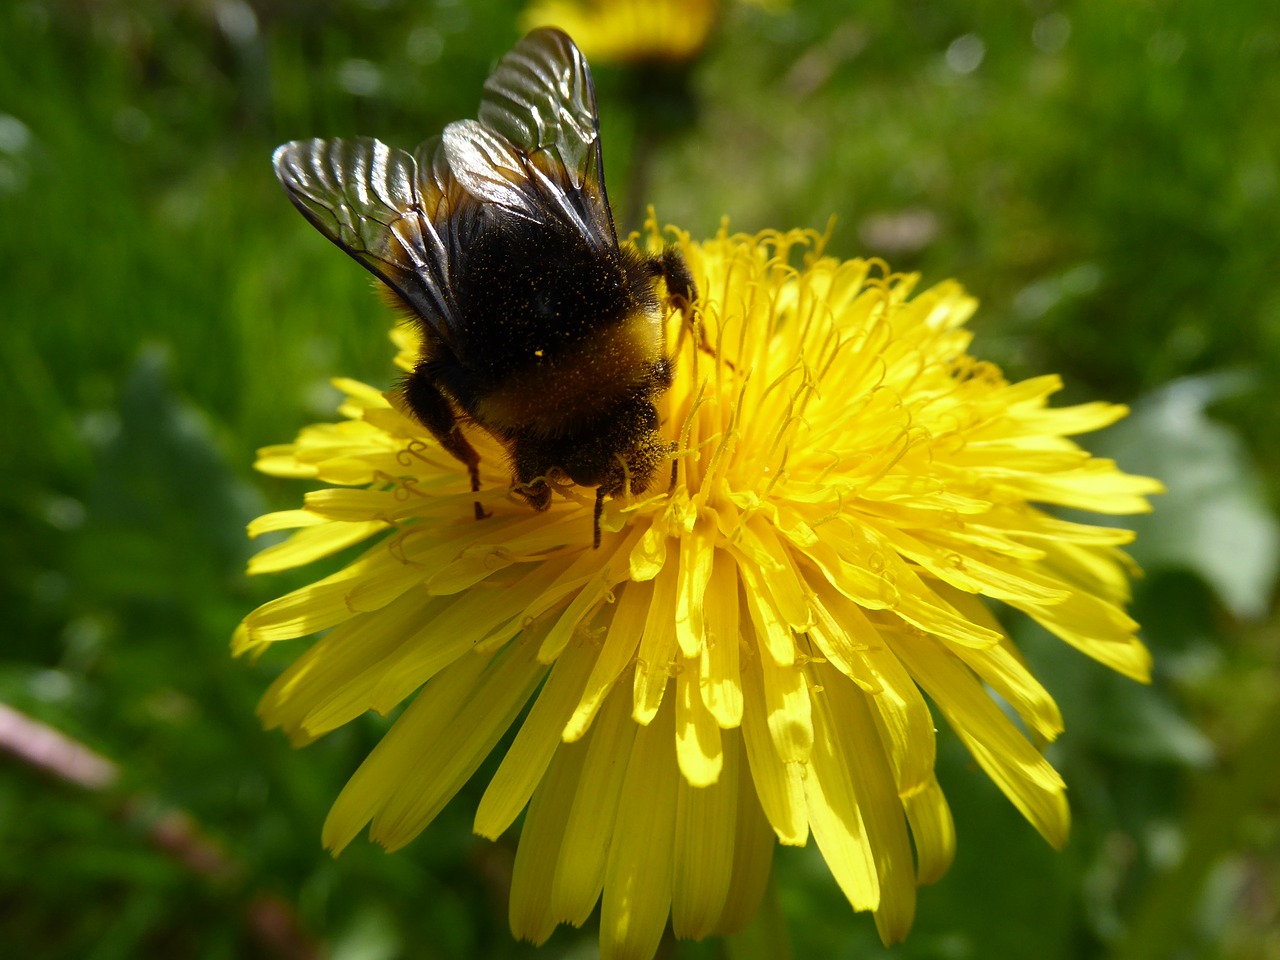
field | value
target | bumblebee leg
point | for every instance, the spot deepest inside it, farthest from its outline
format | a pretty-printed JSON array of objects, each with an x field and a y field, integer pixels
[
  {"x": 598, "y": 513},
  {"x": 681, "y": 287},
  {"x": 682, "y": 291},
  {"x": 530, "y": 466},
  {"x": 436, "y": 413}
]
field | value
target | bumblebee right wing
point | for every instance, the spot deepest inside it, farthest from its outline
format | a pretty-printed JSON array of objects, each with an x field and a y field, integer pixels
[
  {"x": 534, "y": 151},
  {"x": 402, "y": 217}
]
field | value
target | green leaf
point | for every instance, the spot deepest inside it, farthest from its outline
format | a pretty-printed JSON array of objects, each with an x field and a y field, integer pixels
[{"x": 1214, "y": 519}]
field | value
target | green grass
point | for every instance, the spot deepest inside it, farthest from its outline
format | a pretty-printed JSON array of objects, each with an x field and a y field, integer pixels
[{"x": 1106, "y": 178}]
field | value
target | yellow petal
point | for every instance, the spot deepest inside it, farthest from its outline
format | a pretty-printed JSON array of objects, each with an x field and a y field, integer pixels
[
  {"x": 779, "y": 781},
  {"x": 1104, "y": 572},
  {"x": 905, "y": 721},
  {"x": 361, "y": 394},
  {"x": 877, "y": 579},
  {"x": 1097, "y": 486},
  {"x": 621, "y": 642},
  {"x": 696, "y": 555},
  {"x": 456, "y": 626},
  {"x": 1081, "y": 418},
  {"x": 1097, "y": 629},
  {"x": 311, "y": 544},
  {"x": 932, "y": 830},
  {"x": 610, "y": 570},
  {"x": 638, "y": 876},
  {"x": 835, "y": 814},
  {"x": 1003, "y": 670},
  {"x": 280, "y": 460},
  {"x": 773, "y": 636},
  {"x": 584, "y": 851},
  {"x": 317, "y": 606},
  {"x": 786, "y": 701},
  {"x": 856, "y": 740},
  {"x": 706, "y": 829},
  {"x": 698, "y": 747},
  {"x": 530, "y": 753},
  {"x": 719, "y": 671},
  {"x": 650, "y": 554},
  {"x": 657, "y": 647},
  {"x": 785, "y": 586},
  {"x": 551, "y": 582},
  {"x": 529, "y": 910},
  {"x": 354, "y": 506},
  {"x": 335, "y": 678},
  {"x": 365, "y": 794},
  {"x": 841, "y": 632},
  {"x": 463, "y": 711},
  {"x": 979, "y": 571},
  {"x": 752, "y": 850},
  {"x": 1022, "y": 774},
  {"x": 283, "y": 520}
]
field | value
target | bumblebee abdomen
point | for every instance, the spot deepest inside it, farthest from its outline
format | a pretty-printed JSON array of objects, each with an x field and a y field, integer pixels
[
  {"x": 558, "y": 391},
  {"x": 555, "y": 331}
]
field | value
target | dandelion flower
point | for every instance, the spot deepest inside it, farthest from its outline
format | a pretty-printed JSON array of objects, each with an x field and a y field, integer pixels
[{"x": 746, "y": 657}]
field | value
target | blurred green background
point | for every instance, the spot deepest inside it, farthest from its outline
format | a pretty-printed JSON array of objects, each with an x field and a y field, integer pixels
[{"x": 1104, "y": 175}]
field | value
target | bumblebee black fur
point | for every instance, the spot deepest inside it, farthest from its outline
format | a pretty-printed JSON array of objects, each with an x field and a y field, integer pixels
[{"x": 498, "y": 238}]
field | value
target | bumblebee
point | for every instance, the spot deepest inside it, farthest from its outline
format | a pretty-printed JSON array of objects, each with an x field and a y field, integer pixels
[{"x": 497, "y": 238}]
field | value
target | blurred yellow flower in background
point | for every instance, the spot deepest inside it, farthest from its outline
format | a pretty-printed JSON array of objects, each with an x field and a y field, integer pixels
[
  {"x": 746, "y": 656},
  {"x": 635, "y": 31},
  {"x": 628, "y": 31}
]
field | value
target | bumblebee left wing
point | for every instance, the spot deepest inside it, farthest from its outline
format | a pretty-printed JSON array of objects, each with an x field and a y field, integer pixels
[
  {"x": 402, "y": 217},
  {"x": 535, "y": 149}
]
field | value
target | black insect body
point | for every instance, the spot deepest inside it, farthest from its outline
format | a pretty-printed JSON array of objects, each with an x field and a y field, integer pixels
[{"x": 498, "y": 238}]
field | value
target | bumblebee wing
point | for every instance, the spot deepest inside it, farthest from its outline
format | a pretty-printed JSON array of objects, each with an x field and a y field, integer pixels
[
  {"x": 535, "y": 149},
  {"x": 402, "y": 217}
]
